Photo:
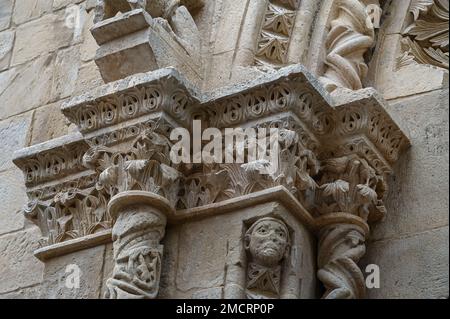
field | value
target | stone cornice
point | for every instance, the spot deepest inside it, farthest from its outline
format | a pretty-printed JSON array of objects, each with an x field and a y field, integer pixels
[{"x": 118, "y": 119}]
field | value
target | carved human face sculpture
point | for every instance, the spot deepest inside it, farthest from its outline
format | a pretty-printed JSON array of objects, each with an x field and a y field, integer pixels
[{"x": 267, "y": 240}]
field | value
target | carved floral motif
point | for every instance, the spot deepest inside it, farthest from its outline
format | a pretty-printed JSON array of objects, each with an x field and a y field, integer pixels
[
  {"x": 349, "y": 187},
  {"x": 426, "y": 38},
  {"x": 274, "y": 39},
  {"x": 69, "y": 215}
]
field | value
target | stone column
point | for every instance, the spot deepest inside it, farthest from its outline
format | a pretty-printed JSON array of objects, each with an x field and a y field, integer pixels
[
  {"x": 139, "y": 227},
  {"x": 351, "y": 192},
  {"x": 143, "y": 189}
]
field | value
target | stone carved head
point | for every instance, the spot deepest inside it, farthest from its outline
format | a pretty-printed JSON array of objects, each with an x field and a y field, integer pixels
[{"x": 267, "y": 241}]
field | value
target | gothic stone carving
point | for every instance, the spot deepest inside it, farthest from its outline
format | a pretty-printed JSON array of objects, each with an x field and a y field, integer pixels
[
  {"x": 267, "y": 243},
  {"x": 137, "y": 232},
  {"x": 351, "y": 35},
  {"x": 426, "y": 38},
  {"x": 143, "y": 189},
  {"x": 274, "y": 39},
  {"x": 333, "y": 158},
  {"x": 351, "y": 191}
]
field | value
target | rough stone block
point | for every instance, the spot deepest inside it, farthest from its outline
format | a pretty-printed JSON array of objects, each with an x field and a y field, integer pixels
[
  {"x": 13, "y": 134},
  {"x": 59, "y": 4},
  {"x": 18, "y": 266},
  {"x": 6, "y": 7},
  {"x": 30, "y": 9},
  {"x": 29, "y": 46},
  {"x": 230, "y": 23},
  {"x": 89, "y": 77},
  {"x": 411, "y": 267},
  {"x": 41, "y": 131},
  {"x": 58, "y": 281},
  {"x": 418, "y": 197},
  {"x": 65, "y": 74},
  {"x": 13, "y": 197},
  {"x": 32, "y": 292},
  {"x": 26, "y": 87},
  {"x": 6, "y": 46}
]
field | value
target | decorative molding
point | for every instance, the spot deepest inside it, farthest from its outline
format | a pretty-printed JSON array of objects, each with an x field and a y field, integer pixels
[
  {"x": 334, "y": 159},
  {"x": 276, "y": 31},
  {"x": 425, "y": 40},
  {"x": 351, "y": 35}
]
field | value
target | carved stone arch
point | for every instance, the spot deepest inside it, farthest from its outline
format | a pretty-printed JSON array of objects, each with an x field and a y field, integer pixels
[{"x": 394, "y": 63}]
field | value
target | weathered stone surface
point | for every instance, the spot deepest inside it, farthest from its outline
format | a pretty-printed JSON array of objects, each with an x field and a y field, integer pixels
[
  {"x": 58, "y": 272},
  {"x": 332, "y": 179},
  {"x": 58, "y": 4},
  {"x": 13, "y": 134},
  {"x": 12, "y": 195},
  {"x": 6, "y": 7},
  {"x": 418, "y": 198},
  {"x": 6, "y": 45},
  {"x": 28, "y": 46},
  {"x": 415, "y": 266},
  {"x": 18, "y": 266},
  {"x": 26, "y": 87},
  {"x": 88, "y": 77},
  {"x": 65, "y": 74},
  {"x": 28, "y": 10},
  {"x": 108, "y": 268},
  {"x": 32, "y": 292},
  {"x": 41, "y": 131},
  {"x": 88, "y": 46}
]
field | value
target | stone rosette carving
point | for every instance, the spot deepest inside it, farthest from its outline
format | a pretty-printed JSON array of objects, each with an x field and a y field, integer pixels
[{"x": 425, "y": 39}]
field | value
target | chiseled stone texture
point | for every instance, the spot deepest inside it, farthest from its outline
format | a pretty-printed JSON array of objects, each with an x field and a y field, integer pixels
[
  {"x": 57, "y": 270},
  {"x": 26, "y": 87},
  {"x": 30, "y": 9},
  {"x": 18, "y": 266},
  {"x": 29, "y": 46},
  {"x": 41, "y": 131},
  {"x": 32, "y": 292},
  {"x": 13, "y": 134},
  {"x": 12, "y": 197},
  {"x": 6, "y": 45},
  {"x": 6, "y": 7},
  {"x": 411, "y": 267},
  {"x": 197, "y": 254},
  {"x": 65, "y": 74},
  {"x": 418, "y": 197}
]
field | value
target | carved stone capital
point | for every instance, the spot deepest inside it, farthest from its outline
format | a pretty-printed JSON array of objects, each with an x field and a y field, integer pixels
[{"x": 140, "y": 222}]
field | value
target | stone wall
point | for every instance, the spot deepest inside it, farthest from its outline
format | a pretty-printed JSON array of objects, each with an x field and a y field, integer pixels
[{"x": 43, "y": 63}]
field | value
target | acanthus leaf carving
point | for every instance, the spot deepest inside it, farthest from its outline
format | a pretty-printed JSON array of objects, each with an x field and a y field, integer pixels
[{"x": 426, "y": 39}]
